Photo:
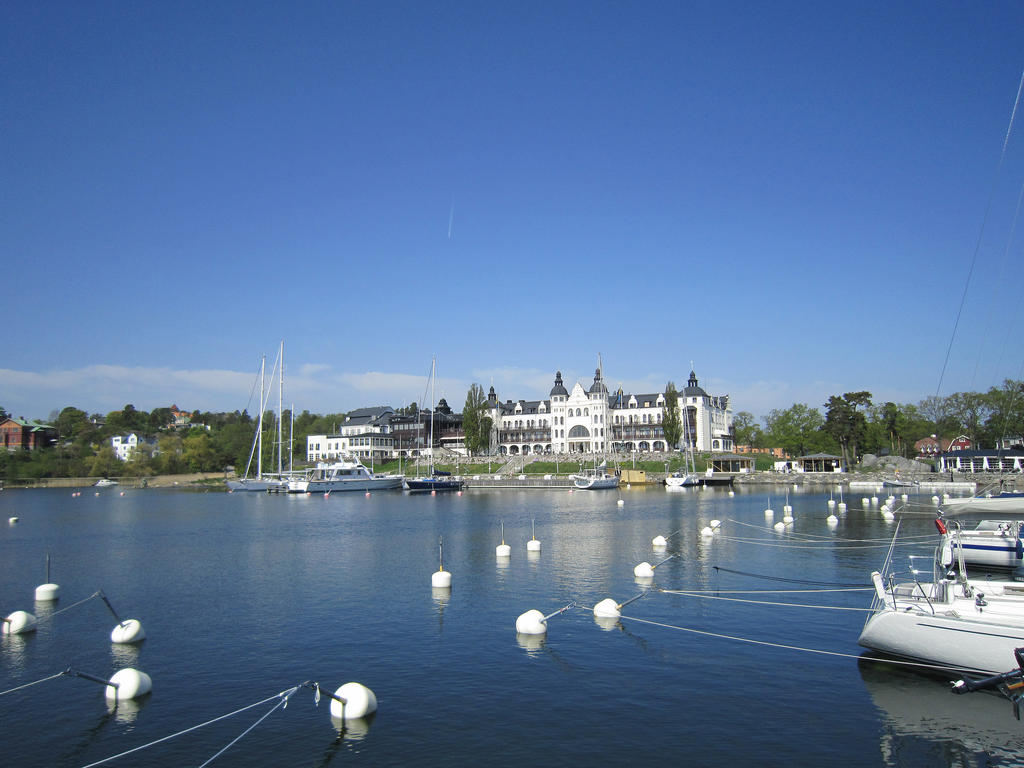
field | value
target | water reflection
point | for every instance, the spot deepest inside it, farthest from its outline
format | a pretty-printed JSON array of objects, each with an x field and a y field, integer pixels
[
  {"x": 920, "y": 713},
  {"x": 124, "y": 655},
  {"x": 532, "y": 644},
  {"x": 354, "y": 729}
]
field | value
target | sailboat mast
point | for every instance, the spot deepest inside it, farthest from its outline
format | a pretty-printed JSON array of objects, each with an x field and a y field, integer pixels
[
  {"x": 433, "y": 407},
  {"x": 259, "y": 423},
  {"x": 280, "y": 411}
]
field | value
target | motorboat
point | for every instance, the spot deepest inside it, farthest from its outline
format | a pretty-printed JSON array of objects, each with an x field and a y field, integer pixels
[
  {"x": 986, "y": 543},
  {"x": 346, "y": 474},
  {"x": 953, "y": 621},
  {"x": 595, "y": 480},
  {"x": 104, "y": 482}
]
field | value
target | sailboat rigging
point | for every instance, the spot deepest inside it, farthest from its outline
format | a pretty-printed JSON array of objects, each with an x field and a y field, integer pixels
[{"x": 435, "y": 480}]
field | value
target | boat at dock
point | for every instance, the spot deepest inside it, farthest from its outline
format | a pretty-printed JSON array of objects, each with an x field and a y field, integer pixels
[
  {"x": 436, "y": 481},
  {"x": 596, "y": 479},
  {"x": 347, "y": 474},
  {"x": 955, "y": 620}
]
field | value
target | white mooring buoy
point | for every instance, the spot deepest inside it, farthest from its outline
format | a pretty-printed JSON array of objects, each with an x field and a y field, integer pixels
[
  {"x": 12, "y": 520},
  {"x": 646, "y": 571},
  {"x": 356, "y": 700},
  {"x": 503, "y": 550},
  {"x": 127, "y": 631},
  {"x": 128, "y": 684},
  {"x": 832, "y": 521},
  {"x": 609, "y": 609},
  {"x": 533, "y": 622},
  {"x": 533, "y": 545},
  {"x": 659, "y": 542},
  {"x": 780, "y": 526},
  {"x": 49, "y": 591},
  {"x": 18, "y": 623},
  {"x": 441, "y": 579}
]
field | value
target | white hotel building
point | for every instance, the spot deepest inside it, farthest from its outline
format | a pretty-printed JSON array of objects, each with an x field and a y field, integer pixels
[{"x": 594, "y": 421}]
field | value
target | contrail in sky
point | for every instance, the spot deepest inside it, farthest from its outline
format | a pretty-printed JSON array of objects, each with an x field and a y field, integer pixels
[{"x": 451, "y": 219}]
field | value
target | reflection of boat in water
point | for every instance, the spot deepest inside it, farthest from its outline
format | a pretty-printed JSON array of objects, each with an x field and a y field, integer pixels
[{"x": 919, "y": 711}]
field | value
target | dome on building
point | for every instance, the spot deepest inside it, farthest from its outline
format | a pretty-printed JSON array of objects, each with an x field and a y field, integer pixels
[
  {"x": 559, "y": 388},
  {"x": 598, "y": 385},
  {"x": 692, "y": 390}
]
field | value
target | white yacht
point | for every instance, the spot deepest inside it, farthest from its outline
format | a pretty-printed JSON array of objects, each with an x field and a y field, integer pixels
[{"x": 347, "y": 474}]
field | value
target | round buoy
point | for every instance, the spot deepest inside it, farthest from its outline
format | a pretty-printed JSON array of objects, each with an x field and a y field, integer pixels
[
  {"x": 659, "y": 541},
  {"x": 12, "y": 520},
  {"x": 864, "y": 501},
  {"x": 787, "y": 509},
  {"x": 531, "y": 623},
  {"x": 769, "y": 513},
  {"x": 832, "y": 521},
  {"x": 47, "y": 592},
  {"x": 787, "y": 519},
  {"x": 97, "y": 493},
  {"x": 503, "y": 550},
  {"x": 367, "y": 494},
  {"x": 904, "y": 497},
  {"x": 831, "y": 503},
  {"x": 360, "y": 701},
  {"x": 533, "y": 545},
  {"x": 441, "y": 579},
  {"x": 874, "y": 501},
  {"x": 935, "y": 499},
  {"x": 18, "y": 623},
  {"x": 715, "y": 525},
  {"x": 458, "y": 493},
  {"x": 644, "y": 571},
  {"x": 842, "y": 506},
  {"x": 780, "y": 526},
  {"x": 607, "y": 608},
  {"x": 128, "y": 632},
  {"x": 620, "y": 502},
  {"x": 131, "y": 683},
  {"x": 706, "y": 531},
  {"x": 433, "y": 492},
  {"x": 122, "y": 493},
  {"x": 887, "y": 514},
  {"x": 732, "y": 493}
]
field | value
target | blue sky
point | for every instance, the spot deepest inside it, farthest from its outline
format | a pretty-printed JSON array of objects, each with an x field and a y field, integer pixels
[{"x": 789, "y": 195}]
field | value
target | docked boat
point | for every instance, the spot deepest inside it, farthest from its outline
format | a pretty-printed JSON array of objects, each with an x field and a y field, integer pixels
[
  {"x": 347, "y": 474},
  {"x": 597, "y": 479},
  {"x": 104, "y": 482},
  {"x": 986, "y": 543},
  {"x": 1006, "y": 501},
  {"x": 261, "y": 481},
  {"x": 437, "y": 481},
  {"x": 952, "y": 621},
  {"x": 681, "y": 480}
]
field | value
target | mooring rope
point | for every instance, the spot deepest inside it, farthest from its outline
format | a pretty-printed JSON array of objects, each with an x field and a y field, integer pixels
[
  {"x": 833, "y": 539},
  {"x": 764, "y": 602},
  {"x": 784, "y": 580},
  {"x": 767, "y": 591},
  {"x": 69, "y": 607},
  {"x": 282, "y": 703},
  {"x": 193, "y": 728},
  {"x": 29, "y": 685},
  {"x": 784, "y": 646}
]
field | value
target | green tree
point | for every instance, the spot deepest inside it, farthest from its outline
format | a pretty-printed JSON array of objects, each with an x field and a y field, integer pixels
[
  {"x": 746, "y": 430},
  {"x": 672, "y": 423},
  {"x": 845, "y": 423},
  {"x": 105, "y": 463},
  {"x": 198, "y": 452},
  {"x": 795, "y": 430},
  {"x": 476, "y": 426},
  {"x": 970, "y": 411}
]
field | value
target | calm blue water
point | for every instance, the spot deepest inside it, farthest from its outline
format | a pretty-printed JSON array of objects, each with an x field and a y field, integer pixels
[{"x": 245, "y": 595}]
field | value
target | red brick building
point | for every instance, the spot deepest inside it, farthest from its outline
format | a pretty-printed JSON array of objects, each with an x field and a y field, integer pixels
[{"x": 20, "y": 433}]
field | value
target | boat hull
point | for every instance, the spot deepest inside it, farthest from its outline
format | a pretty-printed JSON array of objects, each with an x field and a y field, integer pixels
[
  {"x": 433, "y": 484},
  {"x": 355, "y": 484},
  {"x": 684, "y": 481},
  {"x": 969, "y": 645},
  {"x": 1005, "y": 504},
  {"x": 252, "y": 484},
  {"x": 601, "y": 483}
]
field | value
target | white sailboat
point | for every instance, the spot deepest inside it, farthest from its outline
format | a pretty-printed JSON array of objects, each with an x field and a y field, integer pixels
[
  {"x": 598, "y": 478},
  {"x": 259, "y": 481},
  {"x": 688, "y": 478}
]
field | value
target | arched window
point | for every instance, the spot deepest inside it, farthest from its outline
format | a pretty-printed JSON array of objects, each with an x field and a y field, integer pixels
[
  {"x": 577, "y": 411},
  {"x": 586, "y": 411},
  {"x": 578, "y": 431}
]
